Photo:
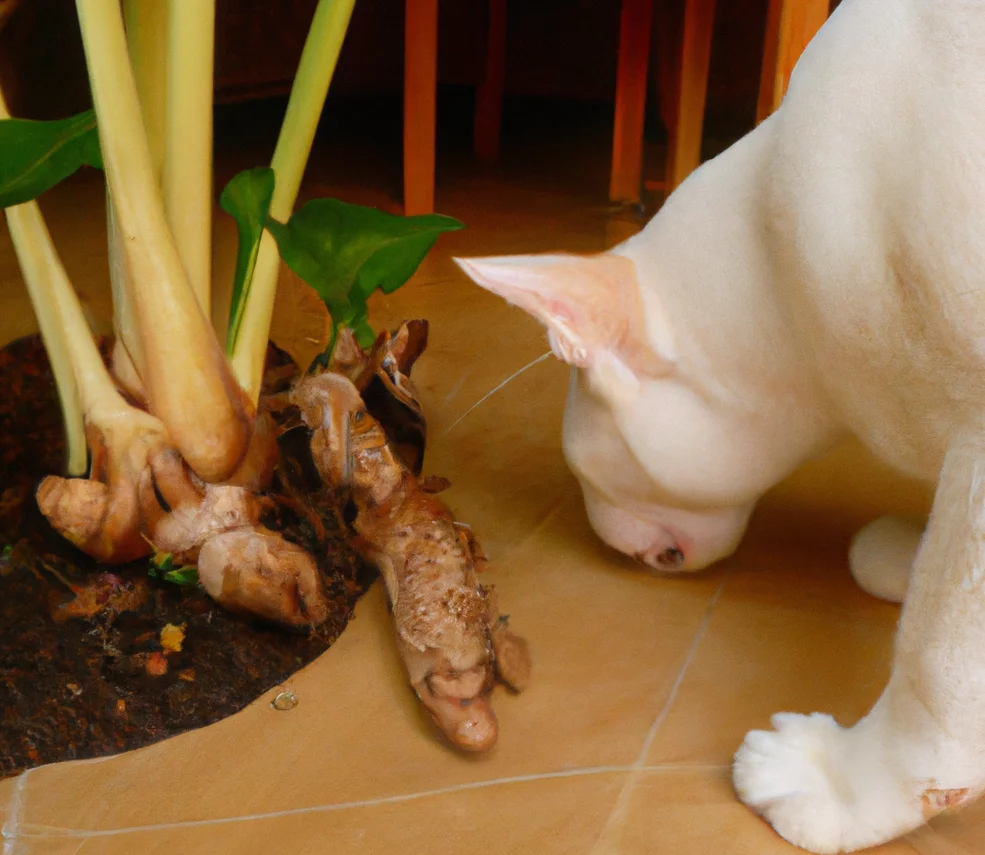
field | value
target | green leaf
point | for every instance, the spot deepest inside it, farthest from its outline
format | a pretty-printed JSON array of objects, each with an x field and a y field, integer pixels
[
  {"x": 396, "y": 260},
  {"x": 183, "y": 576},
  {"x": 309, "y": 267},
  {"x": 247, "y": 199},
  {"x": 35, "y": 156},
  {"x": 345, "y": 252}
]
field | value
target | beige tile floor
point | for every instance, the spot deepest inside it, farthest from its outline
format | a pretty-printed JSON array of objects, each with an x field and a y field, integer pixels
[{"x": 643, "y": 686}]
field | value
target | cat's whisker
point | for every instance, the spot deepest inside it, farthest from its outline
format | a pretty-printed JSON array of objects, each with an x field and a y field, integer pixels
[{"x": 492, "y": 392}]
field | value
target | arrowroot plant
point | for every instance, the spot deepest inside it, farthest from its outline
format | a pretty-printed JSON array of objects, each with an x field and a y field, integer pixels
[{"x": 173, "y": 449}]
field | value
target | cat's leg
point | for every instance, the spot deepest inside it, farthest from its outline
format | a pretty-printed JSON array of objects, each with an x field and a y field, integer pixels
[
  {"x": 922, "y": 747},
  {"x": 881, "y": 556}
]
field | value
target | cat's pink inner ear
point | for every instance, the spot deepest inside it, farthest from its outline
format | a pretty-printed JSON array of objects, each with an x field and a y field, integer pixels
[{"x": 589, "y": 304}]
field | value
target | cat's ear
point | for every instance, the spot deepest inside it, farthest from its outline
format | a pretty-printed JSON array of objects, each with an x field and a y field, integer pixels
[{"x": 590, "y": 305}]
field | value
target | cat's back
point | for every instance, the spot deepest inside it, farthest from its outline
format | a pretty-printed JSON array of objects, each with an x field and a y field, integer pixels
[
  {"x": 884, "y": 122},
  {"x": 875, "y": 198}
]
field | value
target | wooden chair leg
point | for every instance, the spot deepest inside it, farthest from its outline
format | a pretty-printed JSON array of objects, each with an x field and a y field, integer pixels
[
  {"x": 420, "y": 104},
  {"x": 668, "y": 22},
  {"x": 684, "y": 155},
  {"x": 489, "y": 97},
  {"x": 790, "y": 26},
  {"x": 635, "y": 25}
]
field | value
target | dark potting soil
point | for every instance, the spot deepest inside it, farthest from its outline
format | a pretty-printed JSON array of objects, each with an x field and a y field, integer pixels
[{"x": 83, "y": 670}]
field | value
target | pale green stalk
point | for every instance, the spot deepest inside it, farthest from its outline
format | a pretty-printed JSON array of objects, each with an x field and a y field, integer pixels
[
  {"x": 184, "y": 372},
  {"x": 318, "y": 60},
  {"x": 59, "y": 310},
  {"x": 128, "y": 352},
  {"x": 42, "y": 271},
  {"x": 147, "y": 30},
  {"x": 188, "y": 139}
]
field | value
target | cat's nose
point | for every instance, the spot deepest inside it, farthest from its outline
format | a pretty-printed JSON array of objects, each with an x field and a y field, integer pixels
[{"x": 662, "y": 557}]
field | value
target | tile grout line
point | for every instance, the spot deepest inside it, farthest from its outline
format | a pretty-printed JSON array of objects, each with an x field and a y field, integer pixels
[
  {"x": 492, "y": 392},
  {"x": 617, "y": 816},
  {"x": 11, "y": 823},
  {"x": 49, "y": 832},
  {"x": 676, "y": 687}
]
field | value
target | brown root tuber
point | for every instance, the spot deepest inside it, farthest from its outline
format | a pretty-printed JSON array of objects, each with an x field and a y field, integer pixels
[
  {"x": 257, "y": 572},
  {"x": 446, "y": 631},
  {"x": 101, "y": 514},
  {"x": 244, "y": 566}
]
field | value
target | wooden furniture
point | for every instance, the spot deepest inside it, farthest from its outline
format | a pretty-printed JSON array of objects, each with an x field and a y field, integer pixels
[
  {"x": 635, "y": 28},
  {"x": 790, "y": 25},
  {"x": 420, "y": 103},
  {"x": 687, "y": 117}
]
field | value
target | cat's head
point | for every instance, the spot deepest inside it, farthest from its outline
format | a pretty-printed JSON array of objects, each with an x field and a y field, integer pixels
[{"x": 635, "y": 435}]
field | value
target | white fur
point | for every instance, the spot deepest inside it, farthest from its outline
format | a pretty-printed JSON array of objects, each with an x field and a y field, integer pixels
[
  {"x": 882, "y": 554},
  {"x": 823, "y": 277}
]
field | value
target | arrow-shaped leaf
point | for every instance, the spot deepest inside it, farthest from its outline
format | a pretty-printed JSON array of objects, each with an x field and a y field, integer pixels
[{"x": 345, "y": 252}]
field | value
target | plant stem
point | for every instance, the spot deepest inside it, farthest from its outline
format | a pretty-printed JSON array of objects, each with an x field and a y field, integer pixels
[
  {"x": 127, "y": 346},
  {"x": 188, "y": 139},
  {"x": 188, "y": 383},
  {"x": 146, "y": 31},
  {"x": 315, "y": 70},
  {"x": 314, "y": 75},
  {"x": 146, "y": 28},
  {"x": 42, "y": 270},
  {"x": 66, "y": 332}
]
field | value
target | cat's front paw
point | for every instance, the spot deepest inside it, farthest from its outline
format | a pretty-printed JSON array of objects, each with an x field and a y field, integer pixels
[{"x": 820, "y": 789}]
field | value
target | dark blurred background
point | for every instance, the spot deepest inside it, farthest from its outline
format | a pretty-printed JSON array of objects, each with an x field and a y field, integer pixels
[
  {"x": 560, "y": 73},
  {"x": 562, "y": 50}
]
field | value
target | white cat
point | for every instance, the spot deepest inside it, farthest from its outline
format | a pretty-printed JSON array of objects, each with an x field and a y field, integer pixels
[{"x": 823, "y": 277}]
